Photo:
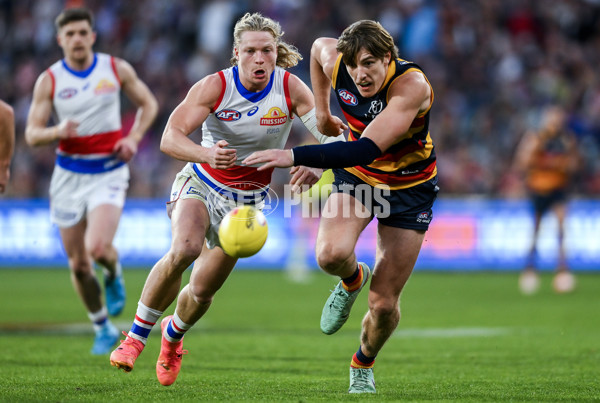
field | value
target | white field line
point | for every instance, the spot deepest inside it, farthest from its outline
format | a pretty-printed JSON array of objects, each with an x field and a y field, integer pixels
[
  {"x": 86, "y": 328},
  {"x": 60, "y": 328}
]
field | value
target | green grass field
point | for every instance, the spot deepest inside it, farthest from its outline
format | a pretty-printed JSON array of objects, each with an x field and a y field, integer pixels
[{"x": 466, "y": 337}]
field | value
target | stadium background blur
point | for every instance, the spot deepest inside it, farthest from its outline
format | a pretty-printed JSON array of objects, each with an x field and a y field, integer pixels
[{"x": 493, "y": 64}]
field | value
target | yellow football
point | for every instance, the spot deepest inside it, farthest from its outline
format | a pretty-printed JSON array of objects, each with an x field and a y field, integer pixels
[{"x": 243, "y": 231}]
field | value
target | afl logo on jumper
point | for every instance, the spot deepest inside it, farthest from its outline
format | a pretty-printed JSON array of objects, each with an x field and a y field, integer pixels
[
  {"x": 228, "y": 115},
  {"x": 274, "y": 117},
  {"x": 67, "y": 93},
  {"x": 347, "y": 97}
]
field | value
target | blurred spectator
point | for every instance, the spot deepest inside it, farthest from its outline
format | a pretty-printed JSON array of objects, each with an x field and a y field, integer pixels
[{"x": 494, "y": 65}]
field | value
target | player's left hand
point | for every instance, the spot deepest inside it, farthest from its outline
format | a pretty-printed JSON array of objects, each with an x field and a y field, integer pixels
[
  {"x": 302, "y": 175},
  {"x": 125, "y": 149},
  {"x": 270, "y": 159}
]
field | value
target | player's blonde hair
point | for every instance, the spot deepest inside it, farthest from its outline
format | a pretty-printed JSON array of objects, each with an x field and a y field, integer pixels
[{"x": 287, "y": 55}]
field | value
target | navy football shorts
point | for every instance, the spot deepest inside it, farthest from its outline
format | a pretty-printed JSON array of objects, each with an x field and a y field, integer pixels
[
  {"x": 543, "y": 203},
  {"x": 409, "y": 208}
]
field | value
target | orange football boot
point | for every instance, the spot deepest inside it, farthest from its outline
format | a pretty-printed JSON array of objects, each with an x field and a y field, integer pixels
[
  {"x": 169, "y": 359},
  {"x": 126, "y": 354}
]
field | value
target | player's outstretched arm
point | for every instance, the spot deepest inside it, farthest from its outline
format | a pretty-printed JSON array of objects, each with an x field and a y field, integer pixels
[
  {"x": 410, "y": 95},
  {"x": 333, "y": 155},
  {"x": 270, "y": 159}
]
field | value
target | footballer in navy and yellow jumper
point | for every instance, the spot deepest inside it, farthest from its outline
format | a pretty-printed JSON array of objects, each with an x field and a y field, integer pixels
[{"x": 409, "y": 164}]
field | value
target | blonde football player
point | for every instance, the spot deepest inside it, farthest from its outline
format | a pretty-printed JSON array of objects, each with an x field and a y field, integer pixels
[{"x": 242, "y": 109}]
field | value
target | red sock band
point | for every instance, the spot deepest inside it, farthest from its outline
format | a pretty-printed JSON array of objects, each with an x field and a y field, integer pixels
[{"x": 355, "y": 284}]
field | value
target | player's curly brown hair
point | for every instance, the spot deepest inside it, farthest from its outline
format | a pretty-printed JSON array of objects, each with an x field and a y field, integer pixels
[
  {"x": 367, "y": 34},
  {"x": 287, "y": 55}
]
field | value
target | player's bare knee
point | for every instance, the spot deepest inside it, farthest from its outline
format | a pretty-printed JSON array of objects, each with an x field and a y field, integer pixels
[
  {"x": 181, "y": 256},
  {"x": 384, "y": 310},
  {"x": 330, "y": 257},
  {"x": 99, "y": 252},
  {"x": 201, "y": 295},
  {"x": 80, "y": 268}
]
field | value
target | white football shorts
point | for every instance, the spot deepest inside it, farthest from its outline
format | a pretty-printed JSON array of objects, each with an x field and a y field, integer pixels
[
  {"x": 188, "y": 185},
  {"x": 73, "y": 195}
]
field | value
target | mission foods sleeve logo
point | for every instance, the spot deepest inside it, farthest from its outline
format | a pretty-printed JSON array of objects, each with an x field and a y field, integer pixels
[
  {"x": 274, "y": 117},
  {"x": 105, "y": 87}
]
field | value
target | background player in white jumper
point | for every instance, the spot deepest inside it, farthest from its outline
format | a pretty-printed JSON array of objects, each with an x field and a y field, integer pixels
[
  {"x": 242, "y": 109},
  {"x": 90, "y": 178}
]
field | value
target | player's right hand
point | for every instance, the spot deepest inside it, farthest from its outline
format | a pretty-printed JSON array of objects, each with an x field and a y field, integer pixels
[
  {"x": 67, "y": 129},
  {"x": 220, "y": 157},
  {"x": 331, "y": 125}
]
